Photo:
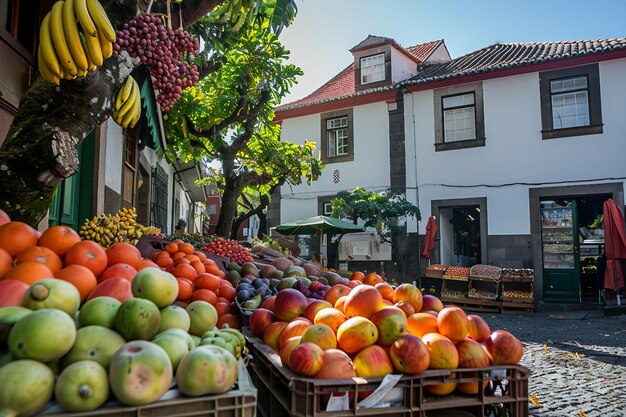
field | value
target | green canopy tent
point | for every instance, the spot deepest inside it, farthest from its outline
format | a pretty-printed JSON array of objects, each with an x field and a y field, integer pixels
[{"x": 321, "y": 225}]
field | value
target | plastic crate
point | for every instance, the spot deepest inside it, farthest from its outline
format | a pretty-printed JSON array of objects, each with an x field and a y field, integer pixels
[
  {"x": 238, "y": 402},
  {"x": 282, "y": 393}
]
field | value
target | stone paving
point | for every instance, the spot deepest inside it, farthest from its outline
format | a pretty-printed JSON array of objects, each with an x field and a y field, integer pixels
[{"x": 577, "y": 361}]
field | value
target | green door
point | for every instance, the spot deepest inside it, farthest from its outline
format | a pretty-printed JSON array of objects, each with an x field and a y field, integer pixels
[
  {"x": 71, "y": 204},
  {"x": 560, "y": 249}
]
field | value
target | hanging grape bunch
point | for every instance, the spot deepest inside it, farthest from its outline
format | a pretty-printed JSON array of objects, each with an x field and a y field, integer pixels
[{"x": 167, "y": 52}]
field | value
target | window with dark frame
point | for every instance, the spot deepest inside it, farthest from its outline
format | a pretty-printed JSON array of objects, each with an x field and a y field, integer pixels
[
  {"x": 337, "y": 136},
  {"x": 459, "y": 117},
  {"x": 570, "y": 102},
  {"x": 459, "y": 114},
  {"x": 129, "y": 167},
  {"x": 373, "y": 68}
]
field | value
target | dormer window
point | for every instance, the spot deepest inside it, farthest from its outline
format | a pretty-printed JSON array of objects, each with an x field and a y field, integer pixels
[{"x": 373, "y": 68}]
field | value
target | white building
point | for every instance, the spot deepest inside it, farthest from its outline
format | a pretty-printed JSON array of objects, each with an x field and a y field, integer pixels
[{"x": 502, "y": 146}]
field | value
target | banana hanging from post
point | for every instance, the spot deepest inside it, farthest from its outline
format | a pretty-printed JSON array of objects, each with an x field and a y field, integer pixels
[
  {"x": 57, "y": 31},
  {"x": 72, "y": 35},
  {"x": 48, "y": 54},
  {"x": 86, "y": 22},
  {"x": 101, "y": 20},
  {"x": 127, "y": 108},
  {"x": 46, "y": 72}
]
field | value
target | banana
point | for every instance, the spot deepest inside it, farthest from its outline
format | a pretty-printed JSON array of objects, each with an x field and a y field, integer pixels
[
  {"x": 90, "y": 65},
  {"x": 130, "y": 101},
  {"x": 106, "y": 47},
  {"x": 101, "y": 20},
  {"x": 48, "y": 54},
  {"x": 127, "y": 119},
  {"x": 94, "y": 50},
  {"x": 72, "y": 36},
  {"x": 237, "y": 333},
  {"x": 46, "y": 72},
  {"x": 82, "y": 13},
  {"x": 61, "y": 47},
  {"x": 123, "y": 93},
  {"x": 133, "y": 122}
]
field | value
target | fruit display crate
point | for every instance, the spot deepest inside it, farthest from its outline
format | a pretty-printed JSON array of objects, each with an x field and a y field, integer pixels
[
  {"x": 453, "y": 289},
  {"x": 241, "y": 401},
  {"x": 485, "y": 272},
  {"x": 483, "y": 290},
  {"x": 435, "y": 270},
  {"x": 517, "y": 275},
  {"x": 283, "y": 393}
]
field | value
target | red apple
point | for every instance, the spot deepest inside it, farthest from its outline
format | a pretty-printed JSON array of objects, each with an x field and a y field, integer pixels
[
  {"x": 307, "y": 359},
  {"x": 259, "y": 320},
  {"x": 391, "y": 324},
  {"x": 409, "y": 355},
  {"x": 268, "y": 303},
  {"x": 296, "y": 327},
  {"x": 477, "y": 329},
  {"x": 452, "y": 323},
  {"x": 289, "y": 303},
  {"x": 503, "y": 348},
  {"x": 337, "y": 365},
  {"x": 372, "y": 361},
  {"x": 430, "y": 302},
  {"x": 286, "y": 350}
]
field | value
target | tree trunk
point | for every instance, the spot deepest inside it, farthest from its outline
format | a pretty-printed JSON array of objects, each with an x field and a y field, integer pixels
[
  {"x": 40, "y": 148},
  {"x": 258, "y": 210},
  {"x": 232, "y": 191}
]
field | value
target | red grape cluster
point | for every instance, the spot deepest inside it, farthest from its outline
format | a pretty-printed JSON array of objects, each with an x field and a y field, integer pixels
[
  {"x": 230, "y": 249},
  {"x": 167, "y": 52}
]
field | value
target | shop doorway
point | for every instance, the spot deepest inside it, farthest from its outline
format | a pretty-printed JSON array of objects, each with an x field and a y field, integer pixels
[
  {"x": 572, "y": 242},
  {"x": 462, "y": 231}
]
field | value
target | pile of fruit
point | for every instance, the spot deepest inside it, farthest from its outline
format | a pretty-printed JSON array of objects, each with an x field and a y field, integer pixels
[
  {"x": 79, "y": 322},
  {"x": 122, "y": 226},
  {"x": 374, "y": 330},
  {"x": 228, "y": 248}
]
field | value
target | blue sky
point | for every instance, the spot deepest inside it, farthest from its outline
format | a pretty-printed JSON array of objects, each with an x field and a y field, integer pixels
[{"x": 325, "y": 30}]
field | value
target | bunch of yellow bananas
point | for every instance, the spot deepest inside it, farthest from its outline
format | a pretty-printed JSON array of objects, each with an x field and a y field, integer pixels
[
  {"x": 74, "y": 37},
  {"x": 230, "y": 339},
  {"x": 127, "y": 110},
  {"x": 107, "y": 229}
]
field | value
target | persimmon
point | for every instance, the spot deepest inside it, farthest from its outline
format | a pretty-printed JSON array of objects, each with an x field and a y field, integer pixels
[
  {"x": 123, "y": 253},
  {"x": 191, "y": 258},
  {"x": 80, "y": 276},
  {"x": 187, "y": 248},
  {"x": 146, "y": 263},
  {"x": 89, "y": 254},
  {"x": 201, "y": 256},
  {"x": 185, "y": 289},
  {"x": 42, "y": 255},
  {"x": 222, "y": 308},
  {"x": 172, "y": 248},
  {"x": 163, "y": 259},
  {"x": 185, "y": 271},
  {"x": 59, "y": 238},
  {"x": 29, "y": 272},
  {"x": 16, "y": 236},
  {"x": 228, "y": 292},
  {"x": 204, "y": 295},
  {"x": 199, "y": 267},
  {"x": 177, "y": 255},
  {"x": 208, "y": 281}
]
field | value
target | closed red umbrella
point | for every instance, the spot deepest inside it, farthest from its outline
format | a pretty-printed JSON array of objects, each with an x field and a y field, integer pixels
[
  {"x": 429, "y": 237},
  {"x": 614, "y": 246}
]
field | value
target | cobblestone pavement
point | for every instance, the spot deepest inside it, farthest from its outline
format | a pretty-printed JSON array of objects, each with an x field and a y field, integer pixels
[{"x": 577, "y": 361}]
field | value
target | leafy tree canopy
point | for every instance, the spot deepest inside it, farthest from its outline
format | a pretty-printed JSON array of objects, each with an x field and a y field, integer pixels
[{"x": 380, "y": 210}]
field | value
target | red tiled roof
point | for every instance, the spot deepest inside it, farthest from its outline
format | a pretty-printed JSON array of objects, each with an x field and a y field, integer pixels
[
  {"x": 342, "y": 84},
  {"x": 510, "y": 55}
]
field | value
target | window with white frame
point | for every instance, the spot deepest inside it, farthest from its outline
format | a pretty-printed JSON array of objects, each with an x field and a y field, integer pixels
[
  {"x": 337, "y": 136},
  {"x": 327, "y": 208},
  {"x": 373, "y": 69},
  {"x": 570, "y": 102},
  {"x": 459, "y": 117}
]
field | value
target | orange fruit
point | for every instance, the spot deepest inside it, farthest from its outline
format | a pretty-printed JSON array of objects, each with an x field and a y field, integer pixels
[
  {"x": 123, "y": 253},
  {"x": 59, "y": 238},
  {"x": 185, "y": 289},
  {"x": 16, "y": 236},
  {"x": 171, "y": 248},
  {"x": 199, "y": 267},
  {"x": 187, "y": 248},
  {"x": 163, "y": 259},
  {"x": 29, "y": 272},
  {"x": 201, "y": 256},
  {"x": 181, "y": 261},
  {"x": 228, "y": 292},
  {"x": 177, "y": 255},
  {"x": 208, "y": 281},
  {"x": 119, "y": 270},
  {"x": 42, "y": 255},
  {"x": 204, "y": 295},
  {"x": 80, "y": 276},
  {"x": 192, "y": 258},
  {"x": 6, "y": 263},
  {"x": 185, "y": 271},
  {"x": 89, "y": 254}
]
